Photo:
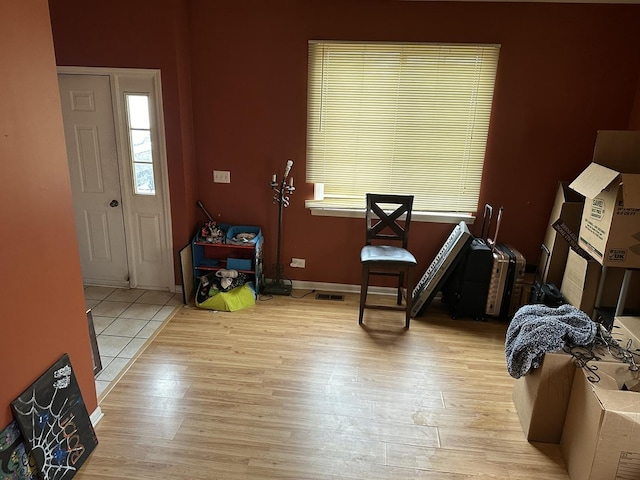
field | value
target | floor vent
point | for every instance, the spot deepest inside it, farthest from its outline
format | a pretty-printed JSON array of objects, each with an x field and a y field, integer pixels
[{"x": 329, "y": 296}]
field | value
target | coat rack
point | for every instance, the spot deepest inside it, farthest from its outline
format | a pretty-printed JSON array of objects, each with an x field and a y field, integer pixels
[{"x": 278, "y": 285}]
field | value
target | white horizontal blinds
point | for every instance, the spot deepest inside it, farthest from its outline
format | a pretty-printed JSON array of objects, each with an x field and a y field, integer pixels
[{"x": 399, "y": 118}]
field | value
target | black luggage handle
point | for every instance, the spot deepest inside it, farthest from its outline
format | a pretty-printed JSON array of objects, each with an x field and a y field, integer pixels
[
  {"x": 486, "y": 221},
  {"x": 494, "y": 242}
]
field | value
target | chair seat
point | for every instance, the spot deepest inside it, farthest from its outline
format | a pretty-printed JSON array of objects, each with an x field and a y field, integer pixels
[{"x": 386, "y": 253}]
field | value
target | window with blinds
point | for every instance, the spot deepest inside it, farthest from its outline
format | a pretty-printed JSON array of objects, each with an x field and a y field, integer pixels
[{"x": 398, "y": 118}]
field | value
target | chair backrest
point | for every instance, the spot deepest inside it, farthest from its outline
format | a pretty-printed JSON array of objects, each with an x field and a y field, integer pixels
[{"x": 386, "y": 225}]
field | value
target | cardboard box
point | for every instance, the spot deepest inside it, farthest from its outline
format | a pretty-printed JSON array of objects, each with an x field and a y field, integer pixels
[
  {"x": 580, "y": 282},
  {"x": 589, "y": 274},
  {"x": 610, "y": 226},
  {"x": 626, "y": 331},
  {"x": 613, "y": 285},
  {"x": 567, "y": 207},
  {"x": 600, "y": 438},
  {"x": 541, "y": 398}
]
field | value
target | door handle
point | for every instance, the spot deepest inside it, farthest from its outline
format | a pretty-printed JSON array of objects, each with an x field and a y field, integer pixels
[{"x": 114, "y": 203}]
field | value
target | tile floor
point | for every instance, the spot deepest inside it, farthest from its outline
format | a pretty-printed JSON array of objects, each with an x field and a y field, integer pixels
[{"x": 124, "y": 319}]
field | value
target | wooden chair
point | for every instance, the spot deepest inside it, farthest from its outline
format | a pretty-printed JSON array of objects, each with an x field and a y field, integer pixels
[{"x": 385, "y": 252}]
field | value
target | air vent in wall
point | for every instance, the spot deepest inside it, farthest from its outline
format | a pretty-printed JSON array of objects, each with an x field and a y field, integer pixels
[{"x": 329, "y": 296}]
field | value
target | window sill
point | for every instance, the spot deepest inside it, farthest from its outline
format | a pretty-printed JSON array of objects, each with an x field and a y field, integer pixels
[{"x": 433, "y": 217}]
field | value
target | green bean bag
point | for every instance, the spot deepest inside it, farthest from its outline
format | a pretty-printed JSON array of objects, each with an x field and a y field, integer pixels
[{"x": 235, "y": 299}]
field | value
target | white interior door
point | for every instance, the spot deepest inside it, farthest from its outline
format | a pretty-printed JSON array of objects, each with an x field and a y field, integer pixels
[
  {"x": 95, "y": 182},
  {"x": 114, "y": 131}
]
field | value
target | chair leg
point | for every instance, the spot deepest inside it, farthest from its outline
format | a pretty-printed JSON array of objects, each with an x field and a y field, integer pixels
[
  {"x": 364, "y": 286},
  {"x": 400, "y": 284},
  {"x": 409, "y": 297}
]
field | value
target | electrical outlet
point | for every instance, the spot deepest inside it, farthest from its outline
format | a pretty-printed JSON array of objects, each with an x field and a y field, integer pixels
[
  {"x": 221, "y": 176},
  {"x": 297, "y": 263}
]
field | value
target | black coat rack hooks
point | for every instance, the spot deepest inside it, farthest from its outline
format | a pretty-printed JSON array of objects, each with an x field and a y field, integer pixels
[{"x": 278, "y": 284}]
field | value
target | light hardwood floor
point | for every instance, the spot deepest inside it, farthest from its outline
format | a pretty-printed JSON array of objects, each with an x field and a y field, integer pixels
[{"x": 295, "y": 389}]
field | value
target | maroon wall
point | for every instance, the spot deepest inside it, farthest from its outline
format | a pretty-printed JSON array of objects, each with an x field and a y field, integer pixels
[
  {"x": 565, "y": 71},
  {"x": 141, "y": 34},
  {"x": 634, "y": 121},
  {"x": 43, "y": 310}
]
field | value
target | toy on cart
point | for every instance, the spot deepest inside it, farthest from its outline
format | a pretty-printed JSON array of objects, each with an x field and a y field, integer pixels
[{"x": 212, "y": 232}]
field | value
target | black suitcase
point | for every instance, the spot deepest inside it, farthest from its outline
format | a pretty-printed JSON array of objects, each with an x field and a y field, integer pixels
[{"x": 465, "y": 292}]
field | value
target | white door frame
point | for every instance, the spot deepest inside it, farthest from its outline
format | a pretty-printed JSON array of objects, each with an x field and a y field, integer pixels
[{"x": 133, "y": 242}]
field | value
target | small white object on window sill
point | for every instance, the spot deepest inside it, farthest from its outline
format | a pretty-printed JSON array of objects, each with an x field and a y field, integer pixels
[{"x": 318, "y": 191}]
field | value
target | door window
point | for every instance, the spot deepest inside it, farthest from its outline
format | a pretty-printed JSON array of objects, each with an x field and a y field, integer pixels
[{"x": 140, "y": 143}]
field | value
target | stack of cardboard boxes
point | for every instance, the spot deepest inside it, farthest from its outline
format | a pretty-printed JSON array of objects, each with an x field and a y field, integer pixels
[
  {"x": 595, "y": 423},
  {"x": 601, "y": 210}
]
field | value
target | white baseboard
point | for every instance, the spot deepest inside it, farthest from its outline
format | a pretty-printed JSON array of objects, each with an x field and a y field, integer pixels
[
  {"x": 332, "y": 287},
  {"x": 340, "y": 287},
  {"x": 345, "y": 288},
  {"x": 96, "y": 416}
]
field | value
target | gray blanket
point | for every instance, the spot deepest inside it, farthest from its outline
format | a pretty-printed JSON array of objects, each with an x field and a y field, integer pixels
[{"x": 538, "y": 329}]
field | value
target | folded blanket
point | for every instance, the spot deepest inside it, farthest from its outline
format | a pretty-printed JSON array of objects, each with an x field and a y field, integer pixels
[{"x": 538, "y": 329}]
